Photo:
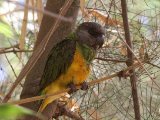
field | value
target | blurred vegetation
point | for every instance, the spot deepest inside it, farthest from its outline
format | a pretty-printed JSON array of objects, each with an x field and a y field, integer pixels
[
  {"x": 110, "y": 100},
  {"x": 13, "y": 112}
]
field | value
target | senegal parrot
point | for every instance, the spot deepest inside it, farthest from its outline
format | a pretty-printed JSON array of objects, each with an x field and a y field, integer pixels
[{"x": 69, "y": 61}]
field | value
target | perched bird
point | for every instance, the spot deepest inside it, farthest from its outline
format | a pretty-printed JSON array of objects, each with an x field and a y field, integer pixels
[{"x": 69, "y": 61}]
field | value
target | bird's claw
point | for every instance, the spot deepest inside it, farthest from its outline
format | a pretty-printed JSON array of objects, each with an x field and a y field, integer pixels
[
  {"x": 84, "y": 86},
  {"x": 72, "y": 87}
]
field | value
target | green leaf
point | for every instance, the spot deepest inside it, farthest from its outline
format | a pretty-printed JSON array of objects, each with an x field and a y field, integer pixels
[
  {"x": 12, "y": 112},
  {"x": 5, "y": 29}
]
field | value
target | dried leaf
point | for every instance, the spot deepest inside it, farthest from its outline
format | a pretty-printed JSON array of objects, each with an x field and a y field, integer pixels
[
  {"x": 123, "y": 50},
  {"x": 83, "y": 9},
  {"x": 104, "y": 18},
  {"x": 2, "y": 94},
  {"x": 71, "y": 103},
  {"x": 82, "y": 5}
]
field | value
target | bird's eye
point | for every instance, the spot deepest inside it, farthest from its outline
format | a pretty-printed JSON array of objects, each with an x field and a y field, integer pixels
[{"x": 93, "y": 33}]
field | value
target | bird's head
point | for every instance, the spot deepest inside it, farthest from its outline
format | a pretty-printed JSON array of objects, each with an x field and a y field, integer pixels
[{"x": 91, "y": 34}]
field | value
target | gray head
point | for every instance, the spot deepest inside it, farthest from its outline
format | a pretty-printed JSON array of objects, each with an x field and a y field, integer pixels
[{"x": 91, "y": 34}]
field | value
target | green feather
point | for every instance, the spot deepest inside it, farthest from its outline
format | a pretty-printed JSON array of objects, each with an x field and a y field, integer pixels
[
  {"x": 59, "y": 59},
  {"x": 87, "y": 52},
  {"x": 72, "y": 36}
]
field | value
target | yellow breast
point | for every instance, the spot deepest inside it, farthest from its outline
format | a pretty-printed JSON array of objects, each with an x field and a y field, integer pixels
[{"x": 77, "y": 72}]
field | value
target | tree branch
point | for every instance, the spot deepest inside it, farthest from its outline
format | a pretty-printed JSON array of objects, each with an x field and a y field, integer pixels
[
  {"x": 111, "y": 60},
  {"x": 14, "y": 51},
  {"x": 94, "y": 82},
  {"x": 130, "y": 60}
]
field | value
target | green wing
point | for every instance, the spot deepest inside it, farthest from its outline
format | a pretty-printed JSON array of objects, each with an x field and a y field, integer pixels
[{"x": 59, "y": 59}]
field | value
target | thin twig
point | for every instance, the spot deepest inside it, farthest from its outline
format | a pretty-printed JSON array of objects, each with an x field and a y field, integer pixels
[
  {"x": 12, "y": 68},
  {"x": 112, "y": 60},
  {"x": 153, "y": 65},
  {"x": 14, "y": 51},
  {"x": 12, "y": 46},
  {"x": 94, "y": 82}
]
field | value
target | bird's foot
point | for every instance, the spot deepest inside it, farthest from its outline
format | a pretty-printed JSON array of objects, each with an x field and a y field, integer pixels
[
  {"x": 84, "y": 86},
  {"x": 72, "y": 87}
]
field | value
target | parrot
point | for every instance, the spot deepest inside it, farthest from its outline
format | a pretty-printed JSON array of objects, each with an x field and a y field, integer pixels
[{"x": 68, "y": 63}]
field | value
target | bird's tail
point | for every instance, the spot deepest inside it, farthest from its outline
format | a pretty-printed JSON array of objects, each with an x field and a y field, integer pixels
[{"x": 51, "y": 90}]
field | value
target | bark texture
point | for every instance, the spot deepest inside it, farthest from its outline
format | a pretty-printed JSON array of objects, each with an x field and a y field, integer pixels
[{"x": 31, "y": 85}]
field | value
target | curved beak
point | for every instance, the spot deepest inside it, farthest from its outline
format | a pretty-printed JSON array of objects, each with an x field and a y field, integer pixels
[{"x": 99, "y": 42}]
